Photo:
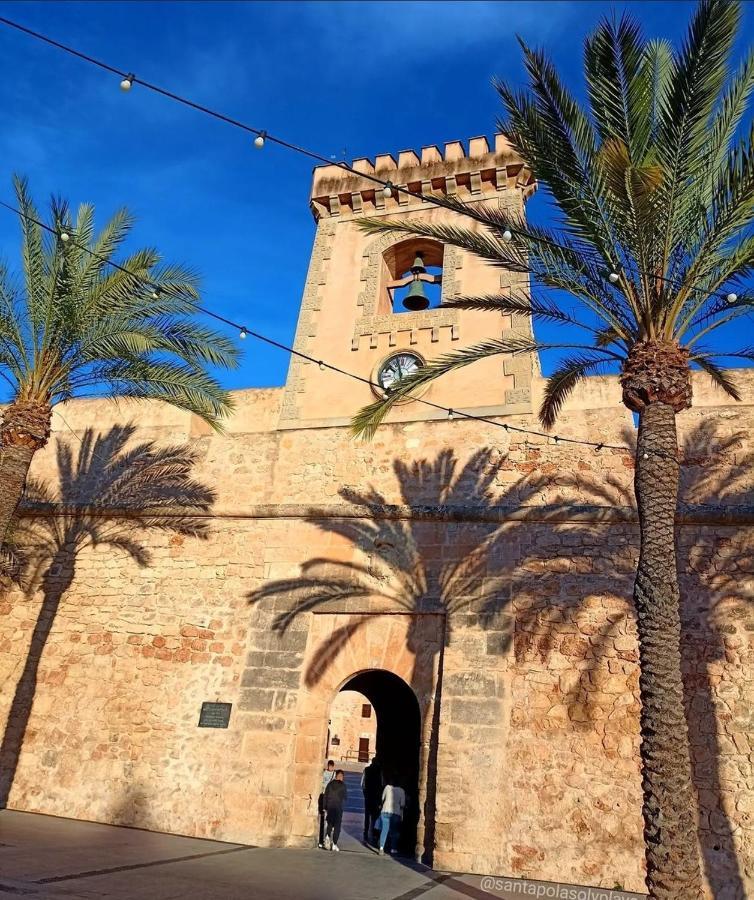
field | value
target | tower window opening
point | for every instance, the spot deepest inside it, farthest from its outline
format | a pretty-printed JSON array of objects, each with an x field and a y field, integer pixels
[{"x": 413, "y": 276}]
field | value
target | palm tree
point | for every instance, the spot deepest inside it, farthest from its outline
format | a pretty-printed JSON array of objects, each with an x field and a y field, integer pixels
[
  {"x": 654, "y": 192},
  {"x": 76, "y": 324}
]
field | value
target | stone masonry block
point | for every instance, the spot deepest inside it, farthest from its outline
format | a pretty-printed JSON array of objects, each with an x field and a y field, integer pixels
[
  {"x": 255, "y": 700},
  {"x": 270, "y": 678},
  {"x": 466, "y": 711},
  {"x": 287, "y": 640},
  {"x": 498, "y": 643},
  {"x": 470, "y": 684}
]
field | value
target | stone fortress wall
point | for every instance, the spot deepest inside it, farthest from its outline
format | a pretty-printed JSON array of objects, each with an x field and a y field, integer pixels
[
  {"x": 489, "y": 570},
  {"x": 538, "y": 711}
]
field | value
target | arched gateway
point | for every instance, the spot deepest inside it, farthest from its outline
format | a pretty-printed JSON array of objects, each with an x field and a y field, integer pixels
[
  {"x": 393, "y": 659},
  {"x": 398, "y": 741}
]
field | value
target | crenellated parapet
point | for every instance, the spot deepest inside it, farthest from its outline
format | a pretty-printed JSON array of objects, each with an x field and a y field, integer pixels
[{"x": 481, "y": 172}]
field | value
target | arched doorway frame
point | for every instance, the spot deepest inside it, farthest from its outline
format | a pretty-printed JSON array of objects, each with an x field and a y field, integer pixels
[{"x": 404, "y": 644}]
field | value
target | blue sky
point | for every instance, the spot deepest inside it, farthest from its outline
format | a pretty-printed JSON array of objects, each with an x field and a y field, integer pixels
[{"x": 364, "y": 78}]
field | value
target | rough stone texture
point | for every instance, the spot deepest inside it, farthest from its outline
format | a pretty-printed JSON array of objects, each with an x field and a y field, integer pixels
[{"x": 538, "y": 688}]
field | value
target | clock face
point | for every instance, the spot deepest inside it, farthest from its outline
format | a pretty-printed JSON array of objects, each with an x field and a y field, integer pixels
[{"x": 396, "y": 367}]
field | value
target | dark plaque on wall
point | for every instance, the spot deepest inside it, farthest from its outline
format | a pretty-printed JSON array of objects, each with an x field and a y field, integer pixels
[{"x": 214, "y": 715}]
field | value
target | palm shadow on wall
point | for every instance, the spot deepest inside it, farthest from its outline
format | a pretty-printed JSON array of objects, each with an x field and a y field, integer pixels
[
  {"x": 445, "y": 548},
  {"x": 111, "y": 493},
  {"x": 505, "y": 582},
  {"x": 716, "y": 588},
  {"x": 404, "y": 562}
]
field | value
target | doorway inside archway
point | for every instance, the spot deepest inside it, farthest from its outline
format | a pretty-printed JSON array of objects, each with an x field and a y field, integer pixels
[{"x": 394, "y": 709}]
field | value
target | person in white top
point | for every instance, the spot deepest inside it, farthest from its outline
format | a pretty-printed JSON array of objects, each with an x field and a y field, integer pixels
[
  {"x": 327, "y": 776},
  {"x": 393, "y": 804}
]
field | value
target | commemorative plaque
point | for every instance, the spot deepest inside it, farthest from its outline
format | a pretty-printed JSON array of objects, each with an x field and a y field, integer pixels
[{"x": 214, "y": 715}]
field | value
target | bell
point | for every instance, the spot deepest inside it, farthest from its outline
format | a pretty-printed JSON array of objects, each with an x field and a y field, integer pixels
[
  {"x": 416, "y": 300},
  {"x": 418, "y": 268}
]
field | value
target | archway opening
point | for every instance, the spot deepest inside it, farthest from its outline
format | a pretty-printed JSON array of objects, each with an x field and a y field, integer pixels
[{"x": 395, "y": 710}]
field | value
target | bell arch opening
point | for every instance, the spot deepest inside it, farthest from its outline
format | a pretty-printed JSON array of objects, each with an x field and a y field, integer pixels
[
  {"x": 397, "y": 744},
  {"x": 411, "y": 276}
]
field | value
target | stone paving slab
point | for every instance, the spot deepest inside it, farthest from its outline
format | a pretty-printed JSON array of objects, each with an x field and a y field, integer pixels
[{"x": 47, "y": 858}]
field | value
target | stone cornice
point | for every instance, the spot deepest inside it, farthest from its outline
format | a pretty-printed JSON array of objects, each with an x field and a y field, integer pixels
[{"x": 470, "y": 176}]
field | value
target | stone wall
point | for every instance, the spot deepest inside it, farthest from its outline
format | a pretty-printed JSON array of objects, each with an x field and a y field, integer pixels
[
  {"x": 348, "y": 725},
  {"x": 491, "y": 571}
]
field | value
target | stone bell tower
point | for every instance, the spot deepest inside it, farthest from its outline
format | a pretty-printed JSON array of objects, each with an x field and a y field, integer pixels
[{"x": 353, "y": 312}]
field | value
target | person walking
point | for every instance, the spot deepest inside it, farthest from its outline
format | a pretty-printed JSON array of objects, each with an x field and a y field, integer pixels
[
  {"x": 393, "y": 804},
  {"x": 335, "y": 799},
  {"x": 371, "y": 788},
  {"x": 327, "y": 776}
]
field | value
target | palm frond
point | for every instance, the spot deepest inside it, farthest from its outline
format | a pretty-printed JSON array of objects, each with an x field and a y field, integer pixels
[
  {"x": 367, "y": 420},
  {"x": 33, "y": 255},
  {"x": 613, "y": 57},
  {"x": 646, "y": 183},
  {"x": 556, "y": 138},
  {"x": 535, "y": 308},
  {"x": 699, "y": 77},
  {"x": 730, "y": 111},
  {"x": 179, "y": 384},
  {"x": 718, "y": 375},
  {"x": 114, "y": 337},
  {"x": 557, "y": 264},
  {"x": 562, "y": 382}
]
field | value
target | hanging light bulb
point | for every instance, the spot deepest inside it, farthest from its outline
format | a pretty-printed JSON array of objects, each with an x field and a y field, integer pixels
[
  {"x": 321, "y": 366},
  {"x": 127, "y": 82},
  {"x": 388, "y": 189},
  {"x": 645, "y": 456},
  {"x": 156, "y": 294},
  {"x": 259, "y": 139},
  {"x": 731, "y": 297},
  {"x": 65, "y": 237},
  {"x": 451, "y": 413},
  {"x": 613, "y": 278},
  {"x": 556, "y": 438},
  {"x": 242, "y": 333},
  {"x": 507, "y": 235}
]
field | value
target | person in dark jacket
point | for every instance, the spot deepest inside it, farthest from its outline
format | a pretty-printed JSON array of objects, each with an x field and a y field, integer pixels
[
  {"x": 335, "y": 800},
  {"x": 371, "y": 786}
]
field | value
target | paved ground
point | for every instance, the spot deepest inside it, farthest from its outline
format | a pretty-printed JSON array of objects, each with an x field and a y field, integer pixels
[{"x": 43, "y": 857}]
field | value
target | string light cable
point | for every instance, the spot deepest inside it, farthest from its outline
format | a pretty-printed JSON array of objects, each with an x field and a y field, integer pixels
[
  {"x": 128, "y": 79},
  {"x": 451, "y": 413}
]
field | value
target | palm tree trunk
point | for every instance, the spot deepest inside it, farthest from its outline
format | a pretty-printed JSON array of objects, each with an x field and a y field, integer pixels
[
  {"x": 669, "y": 809},
  {"x": 25, "y": 428}
]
